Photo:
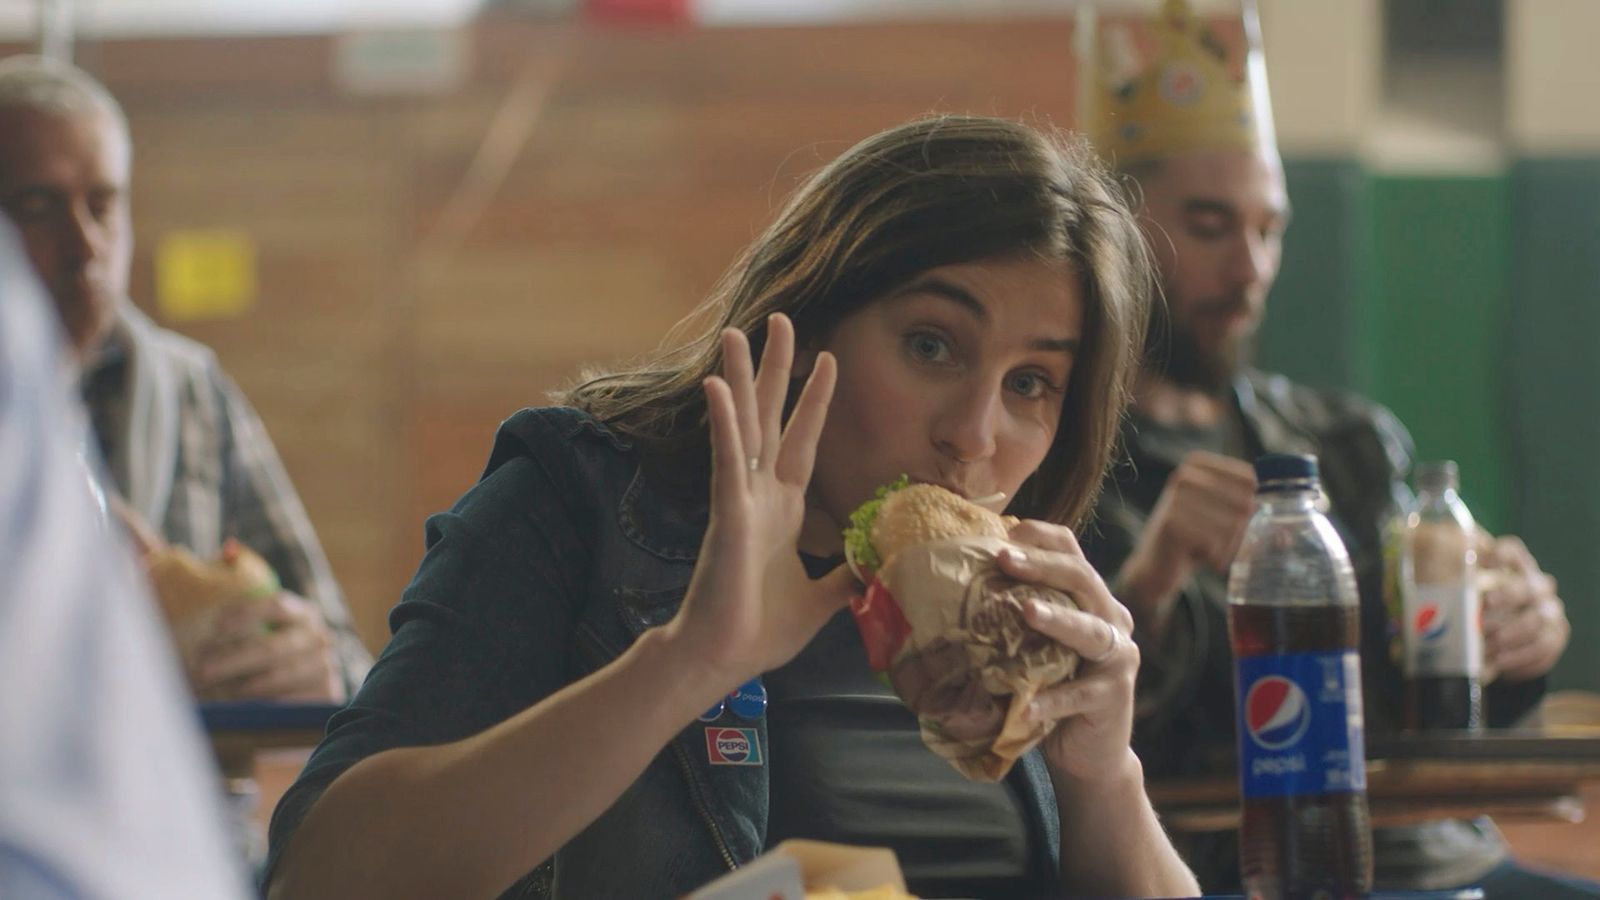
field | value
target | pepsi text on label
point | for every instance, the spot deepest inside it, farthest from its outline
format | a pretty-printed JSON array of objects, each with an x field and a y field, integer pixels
[{"x": 733, "y": 747}]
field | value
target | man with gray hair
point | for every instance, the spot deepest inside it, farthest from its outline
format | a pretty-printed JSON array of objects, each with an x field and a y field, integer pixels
[{"x": 189, "y": 459}]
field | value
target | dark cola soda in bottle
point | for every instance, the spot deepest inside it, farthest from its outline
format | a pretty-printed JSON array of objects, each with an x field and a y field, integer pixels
[
  {"x": 1294, "y": 618},
  {"x": 1441, "y": 610}
]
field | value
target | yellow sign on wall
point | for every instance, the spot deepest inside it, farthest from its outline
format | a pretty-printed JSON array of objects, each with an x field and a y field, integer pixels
[{"x": 205, "y": 274}]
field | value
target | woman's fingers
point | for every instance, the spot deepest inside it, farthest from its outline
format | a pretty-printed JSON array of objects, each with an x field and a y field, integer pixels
[
  {"x": 772, "y": 385},
  {"x": 759, "y": 394},
  {"x": 1101, "y": 694},
  {"x": 798, "y": 451},
  {"x": 1072, "y": 698},
  {"x": 1070, "y": 573},
  {"x": 739, "y": 373},
  {"x": 1091, "y": 637},
  {"x": 746, "y": 411},
  {"x": 1045, "y": 535},
  {"x": 1056, "y": 570},
  {"x": 729, "y": 473}
]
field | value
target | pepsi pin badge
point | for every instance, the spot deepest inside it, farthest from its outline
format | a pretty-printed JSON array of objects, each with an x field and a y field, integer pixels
[
  {"x": 733, "y": 746},
  {"x": 748, "y": 701}
]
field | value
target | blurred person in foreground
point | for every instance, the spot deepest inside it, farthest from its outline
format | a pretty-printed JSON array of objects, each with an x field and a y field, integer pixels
[
  {"x": 190, "y": 463},
  {"x": 1196, "y": 138},
  {"x": 104, "y": 787},
  {"x": 958, "y": 300}
]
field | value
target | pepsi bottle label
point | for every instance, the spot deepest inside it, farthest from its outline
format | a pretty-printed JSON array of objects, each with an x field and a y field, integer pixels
[
  {"x": 1300, "y": 725},
  {"x": 1444, "y": 630}
]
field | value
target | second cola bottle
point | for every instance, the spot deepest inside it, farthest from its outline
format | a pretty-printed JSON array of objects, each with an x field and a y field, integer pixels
[{"x": 1295, "y": 621}]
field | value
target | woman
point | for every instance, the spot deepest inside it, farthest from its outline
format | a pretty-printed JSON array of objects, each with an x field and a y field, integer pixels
[{"x": 975, "y": 289}]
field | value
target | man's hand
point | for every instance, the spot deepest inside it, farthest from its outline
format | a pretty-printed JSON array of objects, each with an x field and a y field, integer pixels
[
  {"x": 275, "y": 649},
  {"x": 1198, "y": 522},
  {"x": 1525, "y": 627}
]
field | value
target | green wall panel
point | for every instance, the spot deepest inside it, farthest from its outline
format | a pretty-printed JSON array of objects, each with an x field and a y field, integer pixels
[
  {"x": 1553, "y": 370},
  {"x": 1312, "y": 330},
  {"x": 1435, "y": 323}
]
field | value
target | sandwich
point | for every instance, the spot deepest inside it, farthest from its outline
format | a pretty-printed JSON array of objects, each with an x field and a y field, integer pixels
[
  {"x": 945, "y": 626},
  {"x": 192, "y": 592}
]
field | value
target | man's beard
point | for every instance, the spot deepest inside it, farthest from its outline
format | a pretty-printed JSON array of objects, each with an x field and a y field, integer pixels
[{"x": 1172, "y": 352}]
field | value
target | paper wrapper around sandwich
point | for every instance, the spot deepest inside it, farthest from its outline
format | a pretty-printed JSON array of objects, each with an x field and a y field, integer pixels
[
  {"x": 194, "y": 592},
  {"x": 959, "y": 653}
]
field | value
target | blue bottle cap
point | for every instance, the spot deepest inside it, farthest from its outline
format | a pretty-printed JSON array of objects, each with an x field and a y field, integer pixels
[
  {"x": 750, "y": 700},
  {"x": 1277, "y": 468},
  {"x": 714, "y": 713}
]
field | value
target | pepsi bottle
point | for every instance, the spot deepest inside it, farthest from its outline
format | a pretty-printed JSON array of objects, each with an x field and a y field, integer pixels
[
  {"x": 1294, "y": 620},
  {"x": 1441, "y": 609}
]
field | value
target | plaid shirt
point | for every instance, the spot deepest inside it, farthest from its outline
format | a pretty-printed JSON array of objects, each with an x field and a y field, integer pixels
[{"x": 227, "y": 480}]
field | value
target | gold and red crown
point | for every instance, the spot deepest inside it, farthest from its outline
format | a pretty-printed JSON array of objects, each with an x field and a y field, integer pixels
[{"x": 1181, "y": 93}]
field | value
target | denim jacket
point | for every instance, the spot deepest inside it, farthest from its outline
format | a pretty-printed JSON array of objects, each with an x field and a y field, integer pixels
[{"x": 545, "y": 571}]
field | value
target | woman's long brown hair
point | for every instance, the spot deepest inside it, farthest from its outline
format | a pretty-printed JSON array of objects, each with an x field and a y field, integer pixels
[{"x": 936, "y": 191}]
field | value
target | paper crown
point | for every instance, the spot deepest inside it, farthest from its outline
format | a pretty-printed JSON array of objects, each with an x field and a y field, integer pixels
[{"x": 1180, "y": 96}]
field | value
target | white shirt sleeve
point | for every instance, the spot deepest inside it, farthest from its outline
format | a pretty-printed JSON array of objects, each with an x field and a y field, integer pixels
[{"x": 107, "y": 789}]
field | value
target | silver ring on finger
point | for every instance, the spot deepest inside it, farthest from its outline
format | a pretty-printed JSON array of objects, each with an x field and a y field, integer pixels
[
  {"x": 1113, "y": 644},
  {"x": 754, "y": 463}
]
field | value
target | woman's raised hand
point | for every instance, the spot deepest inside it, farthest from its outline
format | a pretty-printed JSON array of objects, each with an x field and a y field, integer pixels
[{"x": 750, "y": 606}]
